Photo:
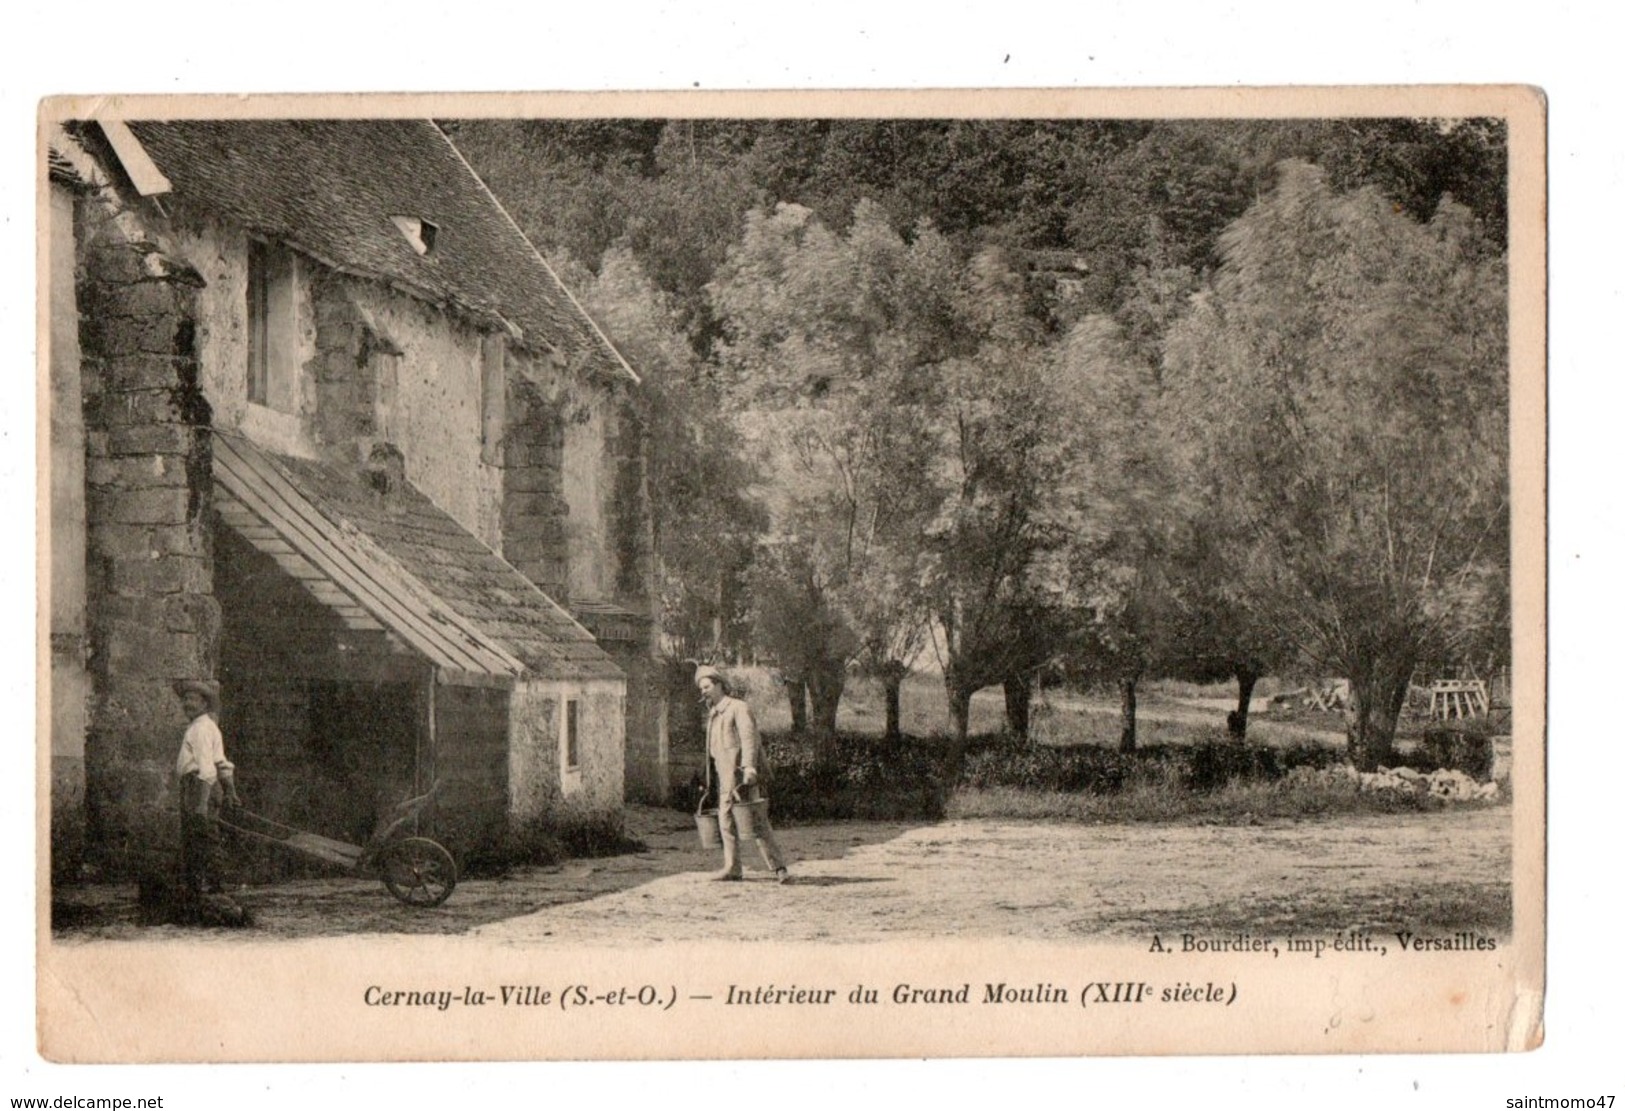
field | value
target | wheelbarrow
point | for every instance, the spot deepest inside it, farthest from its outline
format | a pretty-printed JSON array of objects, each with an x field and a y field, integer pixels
[{"x": 416, "y": 870}]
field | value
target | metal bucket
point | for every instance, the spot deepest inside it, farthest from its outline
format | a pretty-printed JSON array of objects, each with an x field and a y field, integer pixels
[
  {"x": 705, "y": 821},
  {"x": 748, "y": 815}
]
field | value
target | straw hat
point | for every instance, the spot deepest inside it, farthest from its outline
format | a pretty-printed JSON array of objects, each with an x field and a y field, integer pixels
[
  {"x": 711, "y": 673},
  {"x": 208, "y": 688}
]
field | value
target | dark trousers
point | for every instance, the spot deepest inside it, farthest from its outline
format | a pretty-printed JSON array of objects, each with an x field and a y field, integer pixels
[{"x": 202, "y": 858}]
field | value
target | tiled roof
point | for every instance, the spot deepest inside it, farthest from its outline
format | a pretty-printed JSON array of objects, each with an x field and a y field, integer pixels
[
  {"x": 410, "y": 566},
  {"x": 62, "y": 169},
  {"x": 330, "y": 188}
]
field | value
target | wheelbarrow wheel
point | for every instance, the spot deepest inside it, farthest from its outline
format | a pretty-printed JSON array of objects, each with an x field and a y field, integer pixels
[{"x": 419, "y": 872}]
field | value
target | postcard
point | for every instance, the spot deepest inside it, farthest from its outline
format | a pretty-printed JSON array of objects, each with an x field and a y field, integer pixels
[{"x": 797, "y": 575}]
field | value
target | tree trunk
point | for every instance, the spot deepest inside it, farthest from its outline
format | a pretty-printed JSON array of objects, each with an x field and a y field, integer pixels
[
  {"x": 959, "y": 712},
  {"x": 1125, "y": 689},
  {"x": 1018, "y": 702},
  {"x": 893, "y": 680},
  {"x": 824, "y": 693},
  {"x": 1375, "y": 699},
  {"x": 796, "y": 691},
  {"x": 959, "y": 719},
  {"x": 1246, "y": 679}
]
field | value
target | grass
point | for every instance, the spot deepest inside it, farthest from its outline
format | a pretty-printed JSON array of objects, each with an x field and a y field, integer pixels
[
  {"x": 863, "y": 705},
  {"x": 1060, "y": 719},
  {"x": 1171, "y": 801}
]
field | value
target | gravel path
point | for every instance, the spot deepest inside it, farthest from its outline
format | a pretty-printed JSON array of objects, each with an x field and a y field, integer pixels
[
  {"x": 877, "y": 881},
  {"x": 1046, "y": 881}
]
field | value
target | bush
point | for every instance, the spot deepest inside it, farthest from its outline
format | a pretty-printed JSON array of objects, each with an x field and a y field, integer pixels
[
  {"x": 564, "y": 833},
  {"x": 860, "y": 777},
  {"x": 1467, "y": 746},
  {"x": 865, "y": 778},
  {"x": 1218, "y": 761},
  {"x": 1075, "y": 768}
]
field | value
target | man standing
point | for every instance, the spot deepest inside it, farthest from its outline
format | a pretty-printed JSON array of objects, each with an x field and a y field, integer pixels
[
  {"x": 735, "y": 749},
  {"x": 204, "y": 774}
]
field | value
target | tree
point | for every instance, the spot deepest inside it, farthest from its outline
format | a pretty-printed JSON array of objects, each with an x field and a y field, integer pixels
[
  {"x": 825, "y": 337},
  {"x": 1368, "y": 482},
  {"x": 1126, "y": 513},
  {"x": 704, "y": 523},
  {"x": 1003, "y": 496}
]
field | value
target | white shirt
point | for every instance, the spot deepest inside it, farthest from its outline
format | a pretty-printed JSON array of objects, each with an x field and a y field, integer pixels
[{"x": 203, "y": 750}]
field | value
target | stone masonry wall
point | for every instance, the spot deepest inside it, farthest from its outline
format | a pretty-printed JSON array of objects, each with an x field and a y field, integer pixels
[
  {"x": 534, "y": 512},
  {"x": 152, "y": 616},
  {"x": 539, "y": 783},
  {"x": 387, "y": 369},
  {"x": 70, "y": 683}
]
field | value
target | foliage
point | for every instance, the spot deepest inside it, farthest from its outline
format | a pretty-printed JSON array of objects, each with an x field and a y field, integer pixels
[
  {"x": 703, "y": 521},
  {"x": 826, "y": 337},
  {"x": 857, "y": 777},
  {"x": 561, "y": 833},
  {"x": 1199, "y": 450},
  {"x": 1367, "y": 488}
]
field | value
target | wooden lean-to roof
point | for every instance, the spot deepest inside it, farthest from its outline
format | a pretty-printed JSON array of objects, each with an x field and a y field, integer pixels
[{"x": 399, "y": 563}]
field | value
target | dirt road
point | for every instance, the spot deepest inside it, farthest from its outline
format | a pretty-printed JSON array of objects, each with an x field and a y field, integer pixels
[{"x": 869, "y": 881}]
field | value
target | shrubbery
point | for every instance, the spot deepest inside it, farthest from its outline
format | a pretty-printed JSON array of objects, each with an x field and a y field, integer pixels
[
  {"x": 1467, "y": 746},
  {"x": 863, "y": 777},
  {"x": 552, "y": 837},
  {"x": 867, "y": 778}
]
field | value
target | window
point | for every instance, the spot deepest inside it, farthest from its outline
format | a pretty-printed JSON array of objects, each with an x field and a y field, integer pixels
[
  {"x": 420, "y": 233},
  {"x": 572, "y": 735},
  {"x": 259, "y": 313},
  {"x": 493, "y": 398},
  {"x": 271, "y": 357}
]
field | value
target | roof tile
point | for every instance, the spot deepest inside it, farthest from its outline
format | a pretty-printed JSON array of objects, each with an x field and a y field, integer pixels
[{"x": 331, "y": 188}]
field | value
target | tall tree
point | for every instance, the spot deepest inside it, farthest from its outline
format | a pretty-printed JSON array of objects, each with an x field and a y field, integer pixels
[
  {"x": 826, "y": 336},
  {"x": 1368, "y": 481},
  {"x": 1001, "y": 477},
  {"x": 1126, "y": 513},
  {"x": 705, "y": 522}
]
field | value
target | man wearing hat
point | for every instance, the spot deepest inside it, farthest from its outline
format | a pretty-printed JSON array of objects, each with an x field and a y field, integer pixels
[
  {"x": 736, "y": 751},
  {"x": 204, "y": 774}
]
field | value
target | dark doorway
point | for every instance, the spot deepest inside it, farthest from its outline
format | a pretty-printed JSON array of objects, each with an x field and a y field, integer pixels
[{"x": 363, "y": 740}]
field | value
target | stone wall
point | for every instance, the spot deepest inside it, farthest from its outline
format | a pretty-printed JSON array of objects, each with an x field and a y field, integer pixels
[
  {"x": 409, "y": 374},
  {"x": 647, "y": 759},
  {"x": 322, "y": 721},
  {"x": 369, "y": 365},
  {"x": 539, "y": 778},
  {"x": 220, "y": 254},
  {"x": 70, "y": 682},
  {"x": 588, "y": 483},
  {"x": 534, "y": 512},
  {"x": 152, "y": 615}
]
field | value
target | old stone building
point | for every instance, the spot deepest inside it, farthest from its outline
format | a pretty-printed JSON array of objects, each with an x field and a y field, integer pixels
[{"x": 326, "y": 427}]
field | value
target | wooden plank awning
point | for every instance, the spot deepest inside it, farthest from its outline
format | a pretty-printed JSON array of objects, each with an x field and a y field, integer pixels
[{"x": 344, "y": 571}]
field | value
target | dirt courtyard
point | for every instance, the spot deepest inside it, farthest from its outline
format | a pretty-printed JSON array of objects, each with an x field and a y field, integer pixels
[{"x": 878, "y": 881}]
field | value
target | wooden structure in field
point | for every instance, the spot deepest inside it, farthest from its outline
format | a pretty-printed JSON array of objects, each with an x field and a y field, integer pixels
[{"x": 1458, "y": 698}]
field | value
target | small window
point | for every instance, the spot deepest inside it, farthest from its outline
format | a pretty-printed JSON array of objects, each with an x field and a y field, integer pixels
[
  {"x": 272, "y": 360},
  {"x": 572, "y": 734},
  {"x": 420, "y": 233},
  {"x": 493, "y": 398},
  {"x": 259, "y": 323}
]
